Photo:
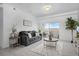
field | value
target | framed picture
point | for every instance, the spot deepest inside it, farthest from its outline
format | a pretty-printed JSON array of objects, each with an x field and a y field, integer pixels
[{"x": 27, "y": 23}]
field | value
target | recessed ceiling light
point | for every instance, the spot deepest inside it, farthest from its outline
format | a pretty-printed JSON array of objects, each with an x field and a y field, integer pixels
[{"x": 47, "y": 7}]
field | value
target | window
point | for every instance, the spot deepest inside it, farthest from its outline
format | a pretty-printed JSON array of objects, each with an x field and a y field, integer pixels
[
  {"x": 46, "y": 25},
  {"x": 78, "y": 29},
  {"x": 52, "y": 25}
]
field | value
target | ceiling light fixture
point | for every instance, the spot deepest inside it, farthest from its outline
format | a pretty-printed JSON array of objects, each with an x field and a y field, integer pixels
[{"x": 47, "y": 7}]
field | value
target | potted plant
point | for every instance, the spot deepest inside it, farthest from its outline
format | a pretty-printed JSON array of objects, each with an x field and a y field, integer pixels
[
  {"x": 71, "y": 24},
  {"x": 39, "y": 32}
]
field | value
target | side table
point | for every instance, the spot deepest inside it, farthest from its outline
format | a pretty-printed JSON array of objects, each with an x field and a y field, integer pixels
[{"x": 13, "y": 41}]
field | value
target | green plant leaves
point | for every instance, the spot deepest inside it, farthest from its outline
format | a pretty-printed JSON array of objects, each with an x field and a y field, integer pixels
[{"x": 71, "y": 24}]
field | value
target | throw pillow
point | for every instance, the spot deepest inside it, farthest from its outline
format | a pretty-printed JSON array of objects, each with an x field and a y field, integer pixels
[
  {"x": 29, "y": 35},
  {"x": 37, "y": 34}
]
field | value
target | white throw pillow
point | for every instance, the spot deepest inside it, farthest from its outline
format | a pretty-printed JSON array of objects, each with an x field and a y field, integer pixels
[
  {"x": 29, "y": 35},
  {"x": 37, "y": 34}
]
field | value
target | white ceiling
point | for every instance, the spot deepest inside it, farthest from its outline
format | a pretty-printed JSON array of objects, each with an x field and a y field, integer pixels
[{"x": 57, "y": 8}]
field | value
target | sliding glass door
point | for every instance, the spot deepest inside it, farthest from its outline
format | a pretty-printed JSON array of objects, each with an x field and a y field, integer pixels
[{"x": 52, "y": 28}]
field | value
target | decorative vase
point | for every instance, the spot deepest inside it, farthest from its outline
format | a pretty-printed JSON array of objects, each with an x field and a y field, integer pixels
[{"x": 50, "y": 37}]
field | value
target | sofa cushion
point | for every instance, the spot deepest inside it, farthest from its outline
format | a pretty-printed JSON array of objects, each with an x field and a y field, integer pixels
[{"x": 23, "y": 33}]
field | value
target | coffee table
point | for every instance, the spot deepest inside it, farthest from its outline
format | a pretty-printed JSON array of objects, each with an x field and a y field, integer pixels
[{"x": 54, "y": 40}]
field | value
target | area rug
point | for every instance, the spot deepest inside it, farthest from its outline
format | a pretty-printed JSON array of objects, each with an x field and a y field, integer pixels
[{"x": 45, "y": 51}]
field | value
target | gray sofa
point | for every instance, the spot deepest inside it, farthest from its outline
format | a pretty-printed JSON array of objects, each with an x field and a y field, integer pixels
[{"x": 24, "y": 39}]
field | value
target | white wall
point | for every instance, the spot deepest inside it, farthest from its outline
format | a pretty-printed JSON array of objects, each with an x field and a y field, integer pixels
[
  {"x": 14, "y": 17},
  {"x": 1, "y": 25},
  {"x": 61, "y": 18}
]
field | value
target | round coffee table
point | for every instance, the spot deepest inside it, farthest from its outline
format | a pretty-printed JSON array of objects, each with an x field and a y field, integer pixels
[{"x": 54, "y": 40}]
